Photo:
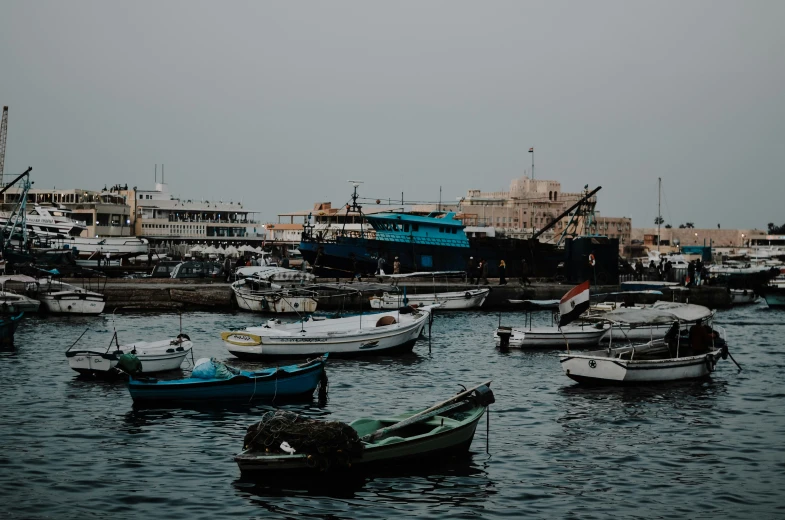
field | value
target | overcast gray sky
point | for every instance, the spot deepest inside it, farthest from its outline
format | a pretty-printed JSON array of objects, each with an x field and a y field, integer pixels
[{"x": 279, "y": 103}]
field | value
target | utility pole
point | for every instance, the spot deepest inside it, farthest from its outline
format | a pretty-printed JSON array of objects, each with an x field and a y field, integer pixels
[
  {"x": 3, "y": 135},
  {"x": 659, "y": 210}
]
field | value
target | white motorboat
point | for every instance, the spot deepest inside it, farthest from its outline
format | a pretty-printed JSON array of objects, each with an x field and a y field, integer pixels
[
  {"x": 90, "y": 248},
  {"x": 62, "y": 298},
  {"x": 667, "y": 359},
  {"x": 742, "y": 296},
  {"x": 156, "y": 356},
  {"x": 577, "y": 336},
  {"x": 458, "y": 300},
  {"x": 49, "y": 221},
  {"x": 365, "y": 334},
  {"x": 14, "y": 302},
  {"x": 261, "y": 296}
]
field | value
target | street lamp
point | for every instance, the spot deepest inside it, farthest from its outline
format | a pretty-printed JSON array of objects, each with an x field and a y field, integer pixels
[
  {"x": 742, "y": 240},
  {"x": 696, "y": 238}
]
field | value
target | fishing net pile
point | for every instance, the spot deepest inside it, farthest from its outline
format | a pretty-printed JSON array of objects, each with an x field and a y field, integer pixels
[{"x": 325, "y": 443}]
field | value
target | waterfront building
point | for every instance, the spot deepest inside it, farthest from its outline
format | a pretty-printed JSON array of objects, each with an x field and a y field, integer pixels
[
  {"x": 104, "y": 213},
  {"x": 159, "y": 216},
  {"x": 528, "y": 206}
]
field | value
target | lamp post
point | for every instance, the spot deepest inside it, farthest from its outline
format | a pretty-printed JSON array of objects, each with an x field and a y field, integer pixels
[{"x": 742, "y": 240}]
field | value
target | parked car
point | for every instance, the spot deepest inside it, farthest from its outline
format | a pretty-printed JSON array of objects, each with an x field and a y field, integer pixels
[
  {"x": 196, "y": 269},
  {"x": 164, "y": 268}
]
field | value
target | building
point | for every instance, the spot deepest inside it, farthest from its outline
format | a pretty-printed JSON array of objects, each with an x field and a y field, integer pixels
[
  {"x": 529, "y": 206},
  {"x": 159, "y": 216},
  {"x": 672, "y": 237},
  {"x": 105, "y": 213}
]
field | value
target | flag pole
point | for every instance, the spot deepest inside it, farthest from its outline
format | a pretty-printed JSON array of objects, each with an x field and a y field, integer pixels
[{"x": 531, "y": 151}]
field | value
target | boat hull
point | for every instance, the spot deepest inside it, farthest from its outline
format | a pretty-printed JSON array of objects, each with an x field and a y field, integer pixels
[
  {"x": 602, "y": 370},
  {"x": 742, "y": 296},
  {"x": 280, "y": 384},
  {"x": 422, "y": 449},
  {"x": 774, "y": 296},
  {"x": 161, "y": 356},
  {"x": 374, "y": 342},
  {"x": 279, "y": 305},
  {"x": 461, "y": 300},
  {"x": 73, "y": 303}
]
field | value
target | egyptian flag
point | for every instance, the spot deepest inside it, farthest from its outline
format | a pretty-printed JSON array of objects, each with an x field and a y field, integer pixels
[{"x": 574, "y": 303}]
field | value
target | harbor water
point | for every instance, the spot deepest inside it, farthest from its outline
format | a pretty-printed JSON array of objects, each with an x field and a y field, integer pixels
[{"x": 78, "y": 448}]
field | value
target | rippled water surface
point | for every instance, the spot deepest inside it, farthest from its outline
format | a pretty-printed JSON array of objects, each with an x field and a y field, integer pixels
[{"x": 74, "y": 448}]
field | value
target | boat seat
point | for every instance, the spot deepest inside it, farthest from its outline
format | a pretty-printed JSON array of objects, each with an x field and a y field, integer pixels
[{"x": 389, "y": 440}]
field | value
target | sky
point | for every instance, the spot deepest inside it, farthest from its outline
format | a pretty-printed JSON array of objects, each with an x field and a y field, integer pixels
[{"x": 278, "y": 104}]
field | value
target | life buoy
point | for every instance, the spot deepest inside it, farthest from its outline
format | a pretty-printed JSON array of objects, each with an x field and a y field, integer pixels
[{"x": 592, "y": 260}]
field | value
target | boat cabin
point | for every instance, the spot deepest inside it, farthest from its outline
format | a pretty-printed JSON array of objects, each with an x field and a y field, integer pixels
[{"x": 434, "y": 229}]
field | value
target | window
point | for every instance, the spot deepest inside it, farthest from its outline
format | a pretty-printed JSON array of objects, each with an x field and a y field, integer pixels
[{"x": 415, "y": 227}]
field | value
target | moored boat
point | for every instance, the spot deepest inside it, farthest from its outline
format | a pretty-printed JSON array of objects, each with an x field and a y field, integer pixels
[
  {"x": 456, "y": 300},
  {"x": 578, "y": 336},
  {"x": 774, "y": 295},
  {"x": 659, "y": 360},
  {"x": 742, "y": 296},
  {"x": 260, "y": 296},
  {"x": 8, "y": 326},
  {"x": 276, "y": 383},
  {"x": 365, "y": 444},
  {"x": 14, "y": 302},
  {"x": 365, "y": 334},
  {"x": 155, "y": 356},
  {"x": 62, "y": 298}
]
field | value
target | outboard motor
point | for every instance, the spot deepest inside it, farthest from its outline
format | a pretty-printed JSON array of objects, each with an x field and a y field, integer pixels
[{"x": 504, "y": 334}]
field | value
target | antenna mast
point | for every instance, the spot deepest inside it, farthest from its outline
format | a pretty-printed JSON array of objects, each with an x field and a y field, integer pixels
[
  {"x": 3, "y": 135},
  {"x": 659, "y": 210}
]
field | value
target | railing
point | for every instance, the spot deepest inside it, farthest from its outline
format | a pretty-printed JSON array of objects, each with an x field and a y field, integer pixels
[{"x": 674, "y": 275}]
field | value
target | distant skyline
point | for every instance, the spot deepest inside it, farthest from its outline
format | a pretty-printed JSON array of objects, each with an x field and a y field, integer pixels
[{"x": 280, "y": 103}]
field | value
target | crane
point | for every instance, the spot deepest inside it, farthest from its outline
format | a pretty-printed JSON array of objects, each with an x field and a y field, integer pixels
[{"x": 3, "y": 134}]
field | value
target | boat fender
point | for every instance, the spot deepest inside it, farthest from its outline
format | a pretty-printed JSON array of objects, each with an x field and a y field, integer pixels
[
  {"x": 724, "y": 352},
  {"x": 468, "y": 295},
  {"x": 710, "y": 364}
]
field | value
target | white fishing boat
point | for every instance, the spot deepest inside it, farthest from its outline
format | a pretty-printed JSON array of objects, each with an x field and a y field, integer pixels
[
  {"x": 669, "y": 359},
  {"x": 450, "y": 301},
  {"x": 155, "y": 356},
  {"x": 742, "y": 296},
  {"x": 62, "y": 298},
  {"x": 365, "y": 334},
  {"x": 261, "y": 296},
  {"x": 578, "y": 336},
  {"x": 14, "y": 302}
]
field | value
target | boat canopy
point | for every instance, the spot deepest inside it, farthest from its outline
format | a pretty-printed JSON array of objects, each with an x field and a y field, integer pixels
[
  {"x": 278, "y": 274},
  {"x": 659, "y": 313},
  {"x": 424, "y": 273},
  {"x": 17, "y": 278}
]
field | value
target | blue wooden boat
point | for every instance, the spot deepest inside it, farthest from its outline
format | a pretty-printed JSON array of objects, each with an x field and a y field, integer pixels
[
  {"x": 277, "y": 383},
  {"x": 8, "y": 325}
]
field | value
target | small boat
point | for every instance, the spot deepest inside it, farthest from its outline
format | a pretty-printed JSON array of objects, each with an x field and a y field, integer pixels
[
  {"x": 12, "y": 302},
  {"x": 364, "y": 334},
  {"x": 587, "y": 335},
  {"x": 257, "y": 295},
  {"x": 62, "y": 298},
  {"x": 8, "y": 326},
  {"x": 449, "y": 301},
  {"x": 276, "y": 446},
  {"x": 659, "y": 360},
  {"x": 155, "y": 356},
  {"x": 774, "y": 294},
  {"x": 278, "y": 383},
  {"x": 742, "y": 296}
]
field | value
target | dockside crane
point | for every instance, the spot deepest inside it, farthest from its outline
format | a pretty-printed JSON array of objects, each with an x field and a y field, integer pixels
[{"x": 3, "y": 134}]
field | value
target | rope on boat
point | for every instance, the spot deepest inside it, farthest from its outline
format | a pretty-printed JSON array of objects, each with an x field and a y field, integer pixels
[{"x": 325, "y": 444}]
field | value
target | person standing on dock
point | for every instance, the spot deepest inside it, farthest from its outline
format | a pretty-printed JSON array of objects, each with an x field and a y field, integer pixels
[
  {"x": 380, "y": 266},
  {"x": 397, "y": 266},
  {"x": 470, "y": 270},
  {"x": 502, "y": 273},
  {"x": 484, "y": 271},
  {"x": 228, "y": 268},
  {"x": 525, "y": 272}
]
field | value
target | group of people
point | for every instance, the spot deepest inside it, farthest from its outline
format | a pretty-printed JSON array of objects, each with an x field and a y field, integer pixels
[
  {"x": 381, "y": 263},
  {"x": 479, "y": 271},
  {"x": 697, "y": 272}
]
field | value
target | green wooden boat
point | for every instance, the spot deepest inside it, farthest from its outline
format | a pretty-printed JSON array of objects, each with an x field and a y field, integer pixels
[{"x": 442, "y": 429}]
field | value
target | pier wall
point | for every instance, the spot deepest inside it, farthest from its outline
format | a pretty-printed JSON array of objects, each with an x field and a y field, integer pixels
[{"x": 149, "y": 294}]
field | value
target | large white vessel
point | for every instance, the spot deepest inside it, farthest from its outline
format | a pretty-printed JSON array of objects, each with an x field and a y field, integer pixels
[{"x": 49, "y": 222}]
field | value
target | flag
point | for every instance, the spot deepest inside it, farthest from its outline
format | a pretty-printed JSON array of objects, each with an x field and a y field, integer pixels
[
  {"x": 531, "y": 150},
  {"x": 574, "y": 303}
]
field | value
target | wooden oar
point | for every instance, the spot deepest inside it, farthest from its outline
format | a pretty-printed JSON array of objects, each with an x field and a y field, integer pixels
[{"x": 421, "y": 416}]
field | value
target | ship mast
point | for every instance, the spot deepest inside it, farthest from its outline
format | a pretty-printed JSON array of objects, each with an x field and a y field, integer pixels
[{"x": 659, "y": 210}]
